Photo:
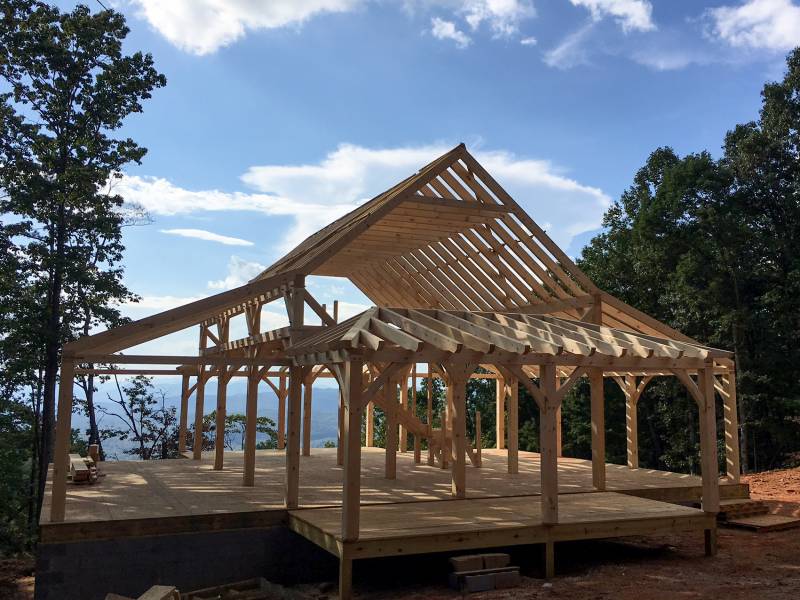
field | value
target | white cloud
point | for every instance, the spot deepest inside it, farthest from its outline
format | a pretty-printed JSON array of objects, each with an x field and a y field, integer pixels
[
  {"x": 762, "y": 24},
  {"x": 502, "y": 16},
  {"x": 571, "y": 52},
  {"x": 240, "y": 271},
  {"x": 632, "y": 15},
  {"x": 315, "y": 194},
  {"x": 447, "y": 30},
  {"x": 528, "y": 41},
  {"x": 204, "y": 26},
  {"x": 209, "y": 236}
]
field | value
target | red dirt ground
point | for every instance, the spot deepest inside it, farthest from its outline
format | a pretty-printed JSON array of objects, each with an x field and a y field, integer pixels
[{"x": 748, "y": 565}]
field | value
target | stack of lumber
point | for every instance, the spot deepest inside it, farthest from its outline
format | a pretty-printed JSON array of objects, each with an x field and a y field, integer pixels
[
  {"x": 482, "y": 572},
  {"x": 82, "y": 469},
  {"x": 157, "y": 592},
  {"x": 754, "y": 515}
]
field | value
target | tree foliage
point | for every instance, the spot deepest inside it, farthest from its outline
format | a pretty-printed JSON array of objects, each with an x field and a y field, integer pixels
[{"x": 67, "y": 89}]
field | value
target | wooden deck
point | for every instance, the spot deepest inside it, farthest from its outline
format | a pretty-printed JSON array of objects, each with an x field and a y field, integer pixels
[
  {"x": 392, "y": 529},
  {"x": 174, "y": 496}
]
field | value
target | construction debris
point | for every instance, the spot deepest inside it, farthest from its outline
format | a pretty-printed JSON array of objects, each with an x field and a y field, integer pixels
[{"x": 483, "y": 572}]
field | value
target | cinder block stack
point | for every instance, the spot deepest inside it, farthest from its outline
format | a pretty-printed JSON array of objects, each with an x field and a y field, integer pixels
[{"x": 483, "y": 572}]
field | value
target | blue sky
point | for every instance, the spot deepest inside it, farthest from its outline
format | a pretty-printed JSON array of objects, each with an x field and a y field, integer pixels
[{"x": 281, "y": 115}]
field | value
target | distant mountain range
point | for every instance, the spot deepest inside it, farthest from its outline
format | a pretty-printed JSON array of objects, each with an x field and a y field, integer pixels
[{"x": 324, "y": 412}]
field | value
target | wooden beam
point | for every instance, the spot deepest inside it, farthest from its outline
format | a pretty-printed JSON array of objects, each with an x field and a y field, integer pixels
[
  {"x": 282, "y": 393},
  {"x": 500, "y": 413},
  {"x": 548, "y": 448},
  {"x": 249, "y": 476},
  {"x": 222, "y": 405},
  {"x": 598, "y": 422},
  {"x": 390, "y": 419},
  {"x": 351, "y": 487},
  {"x": 708, "y": 443},
  {"x": 184, "y": 416},
  {"x": 133, "y": 359},
  {"x": 58, "y": 501},
  {"x": 512, "y": 387},
  {"x": 296, "y": 376},
  {"x": 308, "y": 391}
]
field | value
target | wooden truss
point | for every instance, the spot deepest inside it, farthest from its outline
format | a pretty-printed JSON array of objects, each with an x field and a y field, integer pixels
[{"x": 461, "y": 278}]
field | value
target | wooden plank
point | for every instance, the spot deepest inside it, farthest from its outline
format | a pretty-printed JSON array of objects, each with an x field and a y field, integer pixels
[
  {"x": 351, "y": 486},
  {"x": 598, "y": 423},
  {"x": 293, "y": 434}
]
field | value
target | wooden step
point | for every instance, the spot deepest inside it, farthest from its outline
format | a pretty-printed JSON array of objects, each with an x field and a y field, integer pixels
[
  {"x": 734, "y": 509},
  {"x": 764, "y": 523}
]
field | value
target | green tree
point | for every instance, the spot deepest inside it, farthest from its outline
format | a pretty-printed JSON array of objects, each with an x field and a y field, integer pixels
[
  {"x": 712, "y": 248},
  {"x": 70, "y": 88},
  {"x": 235, "y": 424}
]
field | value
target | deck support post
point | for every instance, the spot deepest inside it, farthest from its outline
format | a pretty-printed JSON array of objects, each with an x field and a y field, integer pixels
[
  {"x": 710, "y": 539},
  {"x": 293, "y": 437},
  {"x": 708, "y": 441},
  {"x": 184, "y": 417},
  {"x": 282, "y": 412},
  {"x": 731, "y": 418},
  {"x": 549, "y": 560},
  {"x": 598, "y": 429},
  {"x": 390, "y": 391},
  {"x": 547, "y": 440},
  {"x": 353, "y": 410},
  {"x": 345, "y": 578},
  {"x": 307, "y": 399},
  {"x": 199, "y": 401},
  {"x": 251, "y": 415},
  {"x": 458, "y": 376},
  {"x": 58, "y": 504},
  {"x": 222, "y": 402},
  {"x": 500, "y": 411},
  {"x": 512, "y": 386}
]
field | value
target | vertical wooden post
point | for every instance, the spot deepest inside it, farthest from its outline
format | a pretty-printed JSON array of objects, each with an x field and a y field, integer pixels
[
  {"x": 345, "y": 578},
  {"x": 282, "y": 412},
  {"x": 307, "y": 398},
  {"x": 631, "y": 422},
  {"x": 184, "y": 414},
  {"x": 429, "y": 416},
  {"x": 458, "y": 376},
  {"x": 500, "y": 411},
  {"x": 547, "y": 441},
  {"x": 403, "y": 407},
  {"x": 598, "y": 428},
  {"x": 559, "y": 441},
  {"x": 417, "y": 439},
  {"x": 58, "y": 504},
  {"x": 708, "y": 442},
  {"x": 293, "y": 437},
  {"x": 447, "y": 426},
  {"x": 251, "y": 411},
  {"x": 199, "y": 400},
  {"x": 731, "y": 417},
  {"x": 370, "y": 428},
  {"x": 513, "y": 426},
  {"x": 222, "y": 402},
  {"x": 340, "y": 430},
  {"x": 478, "y": 441},
  {"x": 390, "y": 391},
  {"x": 351, "y": 487}
]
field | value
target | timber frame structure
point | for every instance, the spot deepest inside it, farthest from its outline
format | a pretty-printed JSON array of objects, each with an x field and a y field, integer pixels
[{"x": 463, "y": 280}]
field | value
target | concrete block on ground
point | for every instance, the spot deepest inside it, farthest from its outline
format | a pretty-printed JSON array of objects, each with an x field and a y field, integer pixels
[
  {"x": 473, "y": 562},
  {"x": 478, "y": 583},
  {"x": 506, "y": 579},
  {"x": 496, "y": 560}
]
